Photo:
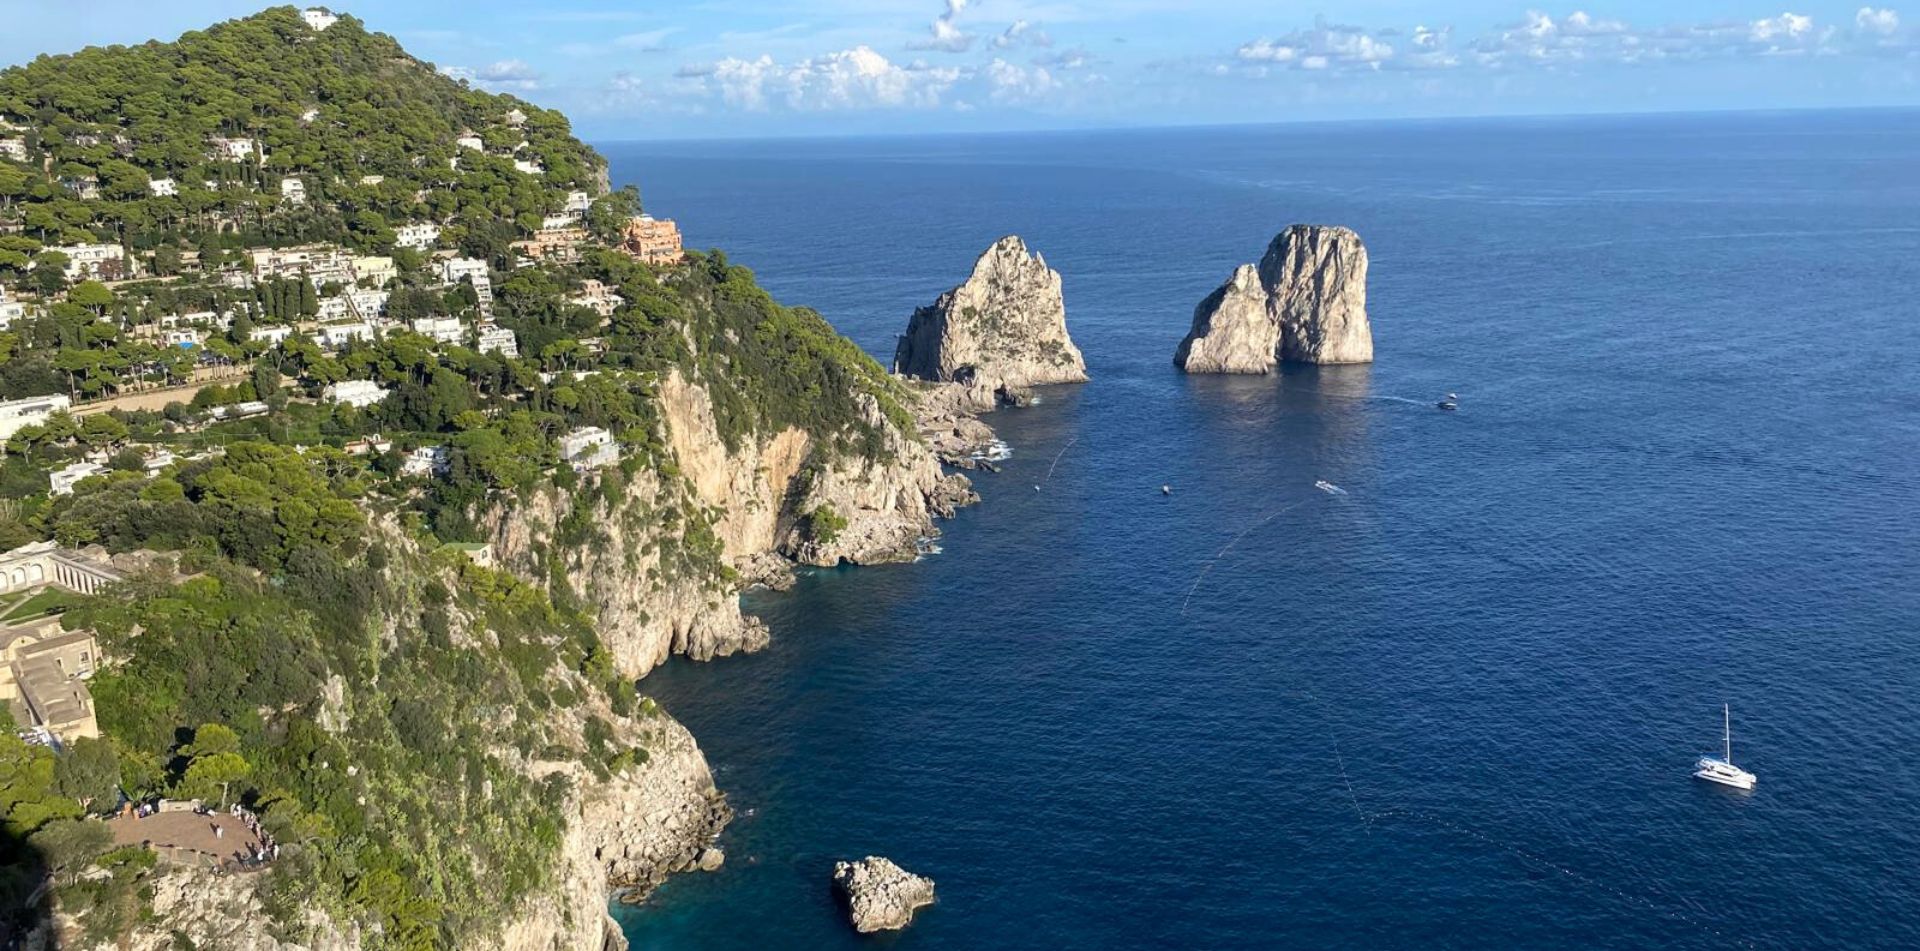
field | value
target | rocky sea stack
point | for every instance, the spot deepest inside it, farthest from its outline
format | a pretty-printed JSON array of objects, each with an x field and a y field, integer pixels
[
  {"x": 1003, "y": 330},
  {"x": 1306, "y": 302},
  {"x": 880, "y": 895}
]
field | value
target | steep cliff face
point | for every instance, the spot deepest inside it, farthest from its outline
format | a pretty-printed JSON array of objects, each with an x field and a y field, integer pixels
[
  {"x": 1006, "y": 326},
  {"x": 1305, "y": 303},
  {"x": 670, "y": 545},
  {"x": 628, "y": 834},
  {"x": 1234, "y": 330}
]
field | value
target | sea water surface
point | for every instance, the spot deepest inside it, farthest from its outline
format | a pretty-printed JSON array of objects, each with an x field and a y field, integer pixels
[{"x": 1456, "y": 706}]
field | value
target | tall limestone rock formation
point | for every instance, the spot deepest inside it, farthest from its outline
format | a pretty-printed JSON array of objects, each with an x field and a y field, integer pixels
[
  {"x": 1006, "y": 327},
  {"x": 1305, "y": 303}
]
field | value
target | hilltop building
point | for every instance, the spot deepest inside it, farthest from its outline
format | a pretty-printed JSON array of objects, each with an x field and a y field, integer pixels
[
  {"x": 654, "y": 241},
  {"x": 318, "y": 19}
]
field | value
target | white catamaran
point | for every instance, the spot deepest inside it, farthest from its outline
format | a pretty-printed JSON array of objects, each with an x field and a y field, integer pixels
[{"x": 1715, "y": 769}]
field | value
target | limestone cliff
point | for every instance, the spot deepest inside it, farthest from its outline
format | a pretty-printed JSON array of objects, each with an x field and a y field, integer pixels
[
  {"x": 1306, "y": 302},
  {"x": 670, "y": 545},
  {"x": 1005, "y": 327}
]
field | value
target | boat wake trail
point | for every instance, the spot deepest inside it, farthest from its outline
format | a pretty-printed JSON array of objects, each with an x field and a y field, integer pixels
[
  {"x": 1222, "y": 553},
  {"x": 1056, "y": 462}
]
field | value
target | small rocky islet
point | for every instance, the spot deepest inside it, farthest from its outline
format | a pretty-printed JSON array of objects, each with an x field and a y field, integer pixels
[
  {"x": 880, "y": 895},
  {"x": 1305, "y": 302}
]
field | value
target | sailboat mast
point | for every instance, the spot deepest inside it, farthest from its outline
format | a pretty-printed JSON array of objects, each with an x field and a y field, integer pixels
[{"x": 1726, "y": 712}]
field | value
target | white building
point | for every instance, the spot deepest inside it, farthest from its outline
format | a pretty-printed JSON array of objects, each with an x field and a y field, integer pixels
[
  {"x": 516, "y": 118},
  {"x": 14, "y": 148},
  {"x": 11, "y": 310},
  {"x": 578, "y": 203},
  {"x": 529, "y": 166},
  {"x": 335, "y": 336},
  {"x": 368, "y": 304},
  {"x": 559, "y": 222},
  {"x": 334, "y": 308},
  {"x": 163, "y": 187},
  {"x": 186, "y": 338},
  {"x": 16, "y": 415},
  {"x": 453, "y": 270},
  {"x": 360, "y": 393},
  {"x": 372, "y": 179},
  {"x": 62, "y": 481},
  {"x": 158, "y": 461},
  {"x": 293, "y": 190},
  {"x": 318, "y": 19},
  {"x": 440, "y": 329},
  {"x": 588, "y": 447},
  {"x": 222, "y": 149},
  {"x": 376, "y": 271},
  {"x": 471, "y": 141},
  {"x": 426, "y": 461},
  {"x": 239, "y": 410},
  {"x": 499, "y": 340},
  {"x": 87, "y": 260},
  {"x": 273, "y": 336},
  {"x": 417, "y": 237}
]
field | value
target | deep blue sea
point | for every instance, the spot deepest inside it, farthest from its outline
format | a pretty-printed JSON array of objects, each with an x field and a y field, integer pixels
[{"x": 1456, "y": 707}]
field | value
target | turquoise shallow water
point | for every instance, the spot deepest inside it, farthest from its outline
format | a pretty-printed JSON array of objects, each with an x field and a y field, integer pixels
[{"x": 1453, "y": 708}]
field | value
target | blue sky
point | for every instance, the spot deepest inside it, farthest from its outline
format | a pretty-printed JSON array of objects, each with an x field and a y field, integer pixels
[{"x": 719, "y": 68}]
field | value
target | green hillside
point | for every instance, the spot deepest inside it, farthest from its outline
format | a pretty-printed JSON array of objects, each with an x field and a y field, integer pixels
[{"x": 334, "y": 108}]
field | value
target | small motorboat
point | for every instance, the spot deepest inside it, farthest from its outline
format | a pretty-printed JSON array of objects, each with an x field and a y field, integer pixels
[
  {"x": 1166, "y": 490},
  {"x": 1448, "y": 405},
  {"x": 1720, "y": 769}
]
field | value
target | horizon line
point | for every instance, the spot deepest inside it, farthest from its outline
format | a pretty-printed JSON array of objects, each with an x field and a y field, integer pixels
[{"x": 1261, "y": 124}]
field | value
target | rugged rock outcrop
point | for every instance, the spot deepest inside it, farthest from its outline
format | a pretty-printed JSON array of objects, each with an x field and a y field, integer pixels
[
  {"x": 626, "y": 834},
  {"x": 1003, "y": 330},
  {"x": 880, "y": 895},
  {"x": 771, "y": 500},
  {"x": 1306, "y": 302}
]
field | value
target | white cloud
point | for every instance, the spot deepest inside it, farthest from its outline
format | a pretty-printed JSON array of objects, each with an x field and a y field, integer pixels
[
  {"x": 1008, "y": 83},
  {"x": 1879, "y": 22},
  {"x": 507, "y": 74},
  {"x": 947, "y": 35},
  {"x": 1786, "y": 26},
  {"x": 857, "y": 78},
  {"x": 1021, "y": 32},
  {"x": 1323, "y": 47}
]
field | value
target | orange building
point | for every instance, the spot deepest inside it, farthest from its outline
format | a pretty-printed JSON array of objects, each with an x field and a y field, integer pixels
[{"x": 653, "y": 240}]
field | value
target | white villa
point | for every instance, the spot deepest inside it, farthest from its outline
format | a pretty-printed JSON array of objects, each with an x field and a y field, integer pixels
[
  {"x": 452, "y": 270},
  {"x": 293, "y": 190},
  {"x": 495, "y": 339},
  {"x": 335, "y": 336},
  {"x": 588, "y": 447},
  {"x": 62, "y": 481},
  {"x": 318, "y": 19},
  {"x": 417, "y": 237},
  {"x": 362, "y": 393},
  {"x": 440, "y": 329},
  {"x": 87, "y": 260},
  {"x": 16, "y": 415},
  {"x": 163, "y": 187}
]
